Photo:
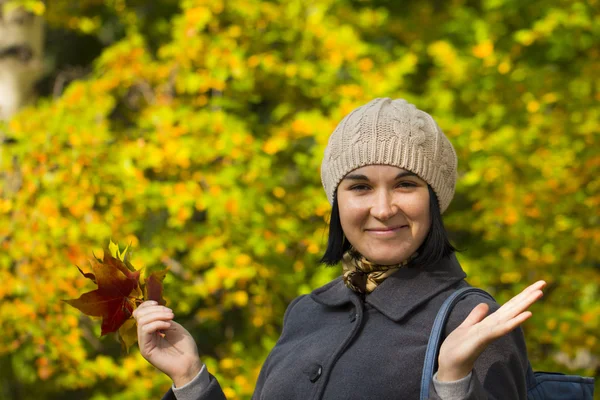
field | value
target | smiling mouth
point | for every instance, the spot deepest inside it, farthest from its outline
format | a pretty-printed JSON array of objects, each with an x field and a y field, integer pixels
[{"x": 391, "y": 229}]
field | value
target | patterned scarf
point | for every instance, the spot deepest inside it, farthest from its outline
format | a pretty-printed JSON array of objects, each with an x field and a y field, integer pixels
[{"x": 363, "y": 276}]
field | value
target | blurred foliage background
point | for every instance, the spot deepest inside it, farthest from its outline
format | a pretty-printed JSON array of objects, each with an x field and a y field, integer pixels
[{"x": 194, "y": 130}]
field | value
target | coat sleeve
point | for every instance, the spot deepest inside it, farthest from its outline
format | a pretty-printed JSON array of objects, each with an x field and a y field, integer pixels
[
  {"x": 500, "y": 371},
  {"x": 211, "y": 392},
  {"x": 214, "y": 392}
]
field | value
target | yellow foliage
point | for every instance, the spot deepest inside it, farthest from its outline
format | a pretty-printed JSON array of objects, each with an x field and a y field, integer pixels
[
  {"x": 483, "y": 49},
  {"x": 240, "y": 298},
  {"x": 197, "y": 137}
]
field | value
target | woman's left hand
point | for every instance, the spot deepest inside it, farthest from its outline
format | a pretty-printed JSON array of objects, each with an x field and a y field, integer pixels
[{"x": 462, "y": 347}]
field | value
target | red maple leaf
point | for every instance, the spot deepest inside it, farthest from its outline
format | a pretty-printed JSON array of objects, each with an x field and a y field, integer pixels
[
  {"x": 121, "y": 290},
  {"x": 117, "y": 293},
  {"x": 153, "y": 287}
]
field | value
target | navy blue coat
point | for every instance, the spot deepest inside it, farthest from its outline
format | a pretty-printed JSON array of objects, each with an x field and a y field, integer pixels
[{"x": 335, "y": 345}]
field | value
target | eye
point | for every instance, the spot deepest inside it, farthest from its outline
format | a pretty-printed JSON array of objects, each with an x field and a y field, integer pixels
[{"x": 359, "y": 188}]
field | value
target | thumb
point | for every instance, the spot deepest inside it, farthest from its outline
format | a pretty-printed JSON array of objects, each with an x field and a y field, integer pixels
[{"x": 477, "y": 315}]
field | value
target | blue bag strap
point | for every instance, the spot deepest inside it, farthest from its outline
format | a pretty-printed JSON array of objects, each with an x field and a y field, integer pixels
[{"x": 433, "y": 346}]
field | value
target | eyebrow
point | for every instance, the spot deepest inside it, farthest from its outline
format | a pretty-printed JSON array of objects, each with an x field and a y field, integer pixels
[{"x": 359, "y": 177}]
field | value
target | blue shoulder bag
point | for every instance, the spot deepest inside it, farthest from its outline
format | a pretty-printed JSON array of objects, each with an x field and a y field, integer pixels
[{"x": 540, "y": 385}]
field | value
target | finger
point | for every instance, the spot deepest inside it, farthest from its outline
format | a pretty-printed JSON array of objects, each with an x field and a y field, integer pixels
[
  {"x": 516, "y": 307},
  {"x": 151, "y": 328},
  {"x": 144, "y": 305},
  {"x": 504, "y": 321},
  {"x": 476, "y": 315},
  {"x": 539, "y": 285},
  {"x": 518, "y": 320},
  {"x": 536, "y": 285},
  {"x": 525, "y": 292},
  {"x": 149, "y": 310},
  {"x": 508, "y": 326},
  {"x": 521, "y": 302},
  {"x": 156, "y": 316}
]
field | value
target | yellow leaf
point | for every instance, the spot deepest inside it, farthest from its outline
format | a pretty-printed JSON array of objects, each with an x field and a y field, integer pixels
[
  {"x": 279, "y": 192},
  {"x": 365, "y": 64},
  {"x": 504, "y": 67},
  {"x": 240, "y": 298},
  {"x": 483, "y": 49},
  {"x": 226, "y": 363},
  {"x": 114, "y": 249},
  {"x": 313, "y": 248},
  {"x": 258, "y": 321},
  {"x": 510, "y": 277},
  {"x": 533, "y": 106},
  {"x": 243, "y": 260},
  {"x": 128, "y": 334}
]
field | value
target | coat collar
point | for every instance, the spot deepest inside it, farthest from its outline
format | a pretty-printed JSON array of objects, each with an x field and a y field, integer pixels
[{"x": 401, "y": 292}]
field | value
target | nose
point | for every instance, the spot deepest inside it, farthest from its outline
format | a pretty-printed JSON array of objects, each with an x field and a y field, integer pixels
[{"x": 383, "y": 207}]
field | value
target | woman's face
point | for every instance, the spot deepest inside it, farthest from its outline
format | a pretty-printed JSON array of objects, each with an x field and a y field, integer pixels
[{"x": 384, "y": 211}]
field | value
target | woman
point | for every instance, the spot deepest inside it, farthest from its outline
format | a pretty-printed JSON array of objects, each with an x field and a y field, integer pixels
[{"x": 389, "y": 173}]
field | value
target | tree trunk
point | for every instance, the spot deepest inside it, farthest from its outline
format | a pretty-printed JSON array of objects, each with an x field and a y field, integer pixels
[{"x": 21, "y": 63}]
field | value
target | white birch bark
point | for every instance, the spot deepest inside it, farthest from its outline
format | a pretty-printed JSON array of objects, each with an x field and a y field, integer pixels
[{"x": 21, "y": 58}]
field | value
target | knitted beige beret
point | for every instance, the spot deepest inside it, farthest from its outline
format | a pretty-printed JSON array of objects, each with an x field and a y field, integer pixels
[{"x": 391, "y": 132}]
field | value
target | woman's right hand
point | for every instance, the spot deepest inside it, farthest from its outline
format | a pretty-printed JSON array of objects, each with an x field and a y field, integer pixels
[{"x": 175, "y": 354}]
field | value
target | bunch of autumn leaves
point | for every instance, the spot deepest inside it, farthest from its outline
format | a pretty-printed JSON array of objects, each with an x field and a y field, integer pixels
[{"x": 121, "y": 289}]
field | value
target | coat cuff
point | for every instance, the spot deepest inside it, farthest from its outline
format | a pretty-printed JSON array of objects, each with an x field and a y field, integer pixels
[
  {"x": 455, "y": 390},
  {"x": 194, "y": 388}
]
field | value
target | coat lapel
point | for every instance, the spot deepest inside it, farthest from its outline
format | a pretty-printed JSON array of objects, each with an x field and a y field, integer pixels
[
  {"x": 409, "y": 288},
  {"x": 333, "y": 294}
]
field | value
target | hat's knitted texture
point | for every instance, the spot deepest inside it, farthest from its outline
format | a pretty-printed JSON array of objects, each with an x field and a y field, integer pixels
[{"x": 391, "y": 132}]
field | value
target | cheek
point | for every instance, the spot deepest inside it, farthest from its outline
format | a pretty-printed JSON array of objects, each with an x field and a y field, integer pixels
[
  {"x": 423, "y": 218},
  {"x": 351, "y": 213},
  {"x": 418, "y": 210}
]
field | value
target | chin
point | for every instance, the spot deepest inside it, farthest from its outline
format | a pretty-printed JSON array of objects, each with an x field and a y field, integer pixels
[{"x": 395, "y": 257}]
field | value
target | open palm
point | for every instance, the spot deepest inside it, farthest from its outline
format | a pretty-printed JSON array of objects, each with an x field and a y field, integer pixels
[{"x": 462, "y": 347}]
